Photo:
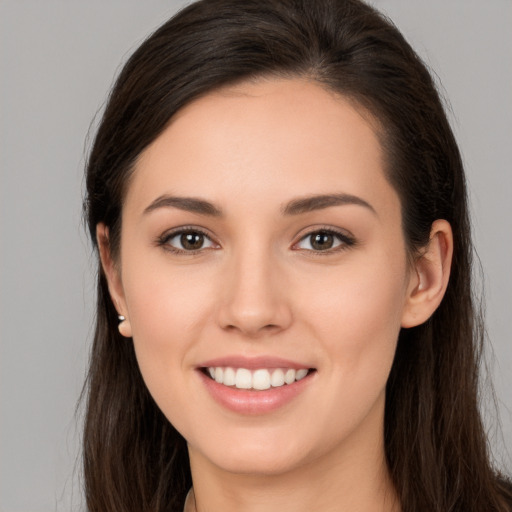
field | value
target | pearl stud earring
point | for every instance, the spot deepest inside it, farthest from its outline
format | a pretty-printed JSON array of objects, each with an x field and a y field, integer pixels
[{"x": 124, "y": 327}]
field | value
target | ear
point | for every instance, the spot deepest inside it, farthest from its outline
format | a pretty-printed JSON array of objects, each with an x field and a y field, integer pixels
[
  {"x": 429, "y": 276},
  {"x": 112, "y": 274}
]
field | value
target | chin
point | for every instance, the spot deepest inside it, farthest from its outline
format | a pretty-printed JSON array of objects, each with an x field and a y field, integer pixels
[
  {"x": 263, "y": 454},
  {"x": 260, "y": 464}
]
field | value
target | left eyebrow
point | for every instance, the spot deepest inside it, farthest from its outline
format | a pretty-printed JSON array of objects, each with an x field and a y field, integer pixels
[{"x": 320, "y": 202}]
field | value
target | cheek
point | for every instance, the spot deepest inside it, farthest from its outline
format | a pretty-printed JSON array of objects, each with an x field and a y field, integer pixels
[
  {"x": 356, "y": 313},
  {"x": 167, "y": 311},
  {"x": 165, "y": 300},
  {"x": 357, "y": 321}
]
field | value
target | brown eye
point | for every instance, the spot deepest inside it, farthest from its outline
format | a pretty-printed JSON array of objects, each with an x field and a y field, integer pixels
[
  {"x": 321, "y": 241},
  {"x": 192, "y": 241},
  {"x": 185, "y": 241},
  {"x": 325, "y": 240}
]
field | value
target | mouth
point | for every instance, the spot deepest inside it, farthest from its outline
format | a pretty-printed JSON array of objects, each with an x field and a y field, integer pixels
[
  {"x": 259, "y": 379},
  {"x": 256, "y": 385}
]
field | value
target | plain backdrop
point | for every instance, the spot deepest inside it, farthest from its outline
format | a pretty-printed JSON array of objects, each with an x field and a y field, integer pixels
[{"x": 58, "y": 60}]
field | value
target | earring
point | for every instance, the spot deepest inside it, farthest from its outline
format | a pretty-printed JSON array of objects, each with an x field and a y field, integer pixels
[{"x": 125, "y": 329}]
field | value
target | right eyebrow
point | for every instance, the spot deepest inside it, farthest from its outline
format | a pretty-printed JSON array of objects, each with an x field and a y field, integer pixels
[{"x": 189, "y": 204}]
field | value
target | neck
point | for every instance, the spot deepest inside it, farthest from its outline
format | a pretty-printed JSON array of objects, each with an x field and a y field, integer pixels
[{"x": 353, "y": 476}]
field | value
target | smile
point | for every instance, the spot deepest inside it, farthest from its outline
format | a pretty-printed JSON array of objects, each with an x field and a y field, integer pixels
[
  {"x": 259, "y": 379},
  {"x": 258, "y": 385}
]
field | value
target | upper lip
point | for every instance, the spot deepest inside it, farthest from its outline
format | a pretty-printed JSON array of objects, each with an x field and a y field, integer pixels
[{"x": 253, "y": 363}]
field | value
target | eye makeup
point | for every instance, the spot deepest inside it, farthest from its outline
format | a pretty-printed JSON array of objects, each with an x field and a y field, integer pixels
[{"x": 190, "y": 240}]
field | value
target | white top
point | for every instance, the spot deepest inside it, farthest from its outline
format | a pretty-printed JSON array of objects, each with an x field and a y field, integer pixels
[{"x": 190, "y": 502}]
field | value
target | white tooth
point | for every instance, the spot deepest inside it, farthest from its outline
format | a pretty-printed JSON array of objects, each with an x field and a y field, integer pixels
[
  {"x": 261, "y": 379},
  {"x": 243, "y": 379},
  {"x": 219, "y": 375},
  {"x": 277, "y": 378},
  {"x": 211, "y": 371},
  {"x": 300, "y": 374},
  {"x": 289, "y": 376},
  {"x": 229, "y": 377}
]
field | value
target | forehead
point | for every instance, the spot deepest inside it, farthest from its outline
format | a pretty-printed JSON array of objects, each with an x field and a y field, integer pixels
[{"x": 270, "y": 137}]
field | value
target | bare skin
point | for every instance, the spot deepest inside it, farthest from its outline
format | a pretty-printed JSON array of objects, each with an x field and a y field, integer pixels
[{"x": 257, "y": 284}]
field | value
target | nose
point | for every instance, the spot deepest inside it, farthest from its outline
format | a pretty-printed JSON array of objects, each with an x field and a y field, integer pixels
[{"x": 254, "y": 300}]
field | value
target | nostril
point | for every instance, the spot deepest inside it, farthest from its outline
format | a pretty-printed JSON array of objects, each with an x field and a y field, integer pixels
[{"x": 253, "y": 329}]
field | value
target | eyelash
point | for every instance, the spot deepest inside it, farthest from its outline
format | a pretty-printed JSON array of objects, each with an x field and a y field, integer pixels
[
  {"x": 164, "y": 239},
  {"x": 346, "y": 241}
]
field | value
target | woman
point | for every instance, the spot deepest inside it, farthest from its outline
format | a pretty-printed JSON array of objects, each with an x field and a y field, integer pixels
[{"x": 285, "y": 318}]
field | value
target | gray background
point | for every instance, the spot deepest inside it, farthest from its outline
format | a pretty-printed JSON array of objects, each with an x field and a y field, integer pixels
[{"x": 58, "y": 59}]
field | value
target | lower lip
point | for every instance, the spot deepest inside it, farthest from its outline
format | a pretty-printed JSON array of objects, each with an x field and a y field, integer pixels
[{"x": 244, "y": 401}]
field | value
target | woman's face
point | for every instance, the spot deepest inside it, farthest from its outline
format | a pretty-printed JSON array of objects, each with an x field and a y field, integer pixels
[{"x": 260, "y": 241}]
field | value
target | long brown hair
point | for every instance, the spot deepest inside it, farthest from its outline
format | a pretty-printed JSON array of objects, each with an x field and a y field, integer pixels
[{"x": 436, "y": 448}]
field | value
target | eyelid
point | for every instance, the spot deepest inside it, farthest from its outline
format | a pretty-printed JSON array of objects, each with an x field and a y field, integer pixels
[
  {"x": 163, "y": 240},
  {"x": 345, "y": 237}
]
